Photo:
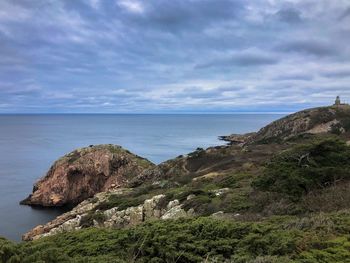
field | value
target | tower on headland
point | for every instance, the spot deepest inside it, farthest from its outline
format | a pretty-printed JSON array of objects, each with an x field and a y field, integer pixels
[{"x": 338, "y": 102}]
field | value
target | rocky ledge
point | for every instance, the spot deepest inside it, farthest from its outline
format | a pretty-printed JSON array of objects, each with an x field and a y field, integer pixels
[
  {"x": 85, "y": 172},
  {"x": 86, "y": 214}
]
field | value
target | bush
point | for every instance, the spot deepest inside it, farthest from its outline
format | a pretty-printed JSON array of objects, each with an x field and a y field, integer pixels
[
  {"x": 7, "y": 251},
  {"x": 334, "y": 198},
  {"x": 306, "y": 167},
  {"x": 320, "y": 238}
]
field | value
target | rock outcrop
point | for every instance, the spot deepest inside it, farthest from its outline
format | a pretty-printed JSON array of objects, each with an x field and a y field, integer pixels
[
  {"x": 85, "y": 214},
  {"x": 85, "y": 172},
  {"x": 238, "y": 139},
  {"x": 333, "y": 119},
  {"x": 82, "y": 208}
]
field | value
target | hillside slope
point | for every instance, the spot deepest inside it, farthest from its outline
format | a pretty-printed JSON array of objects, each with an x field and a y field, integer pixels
[
  {"x": 282, "y": 197},
  {"x": 332, "y": 119}
]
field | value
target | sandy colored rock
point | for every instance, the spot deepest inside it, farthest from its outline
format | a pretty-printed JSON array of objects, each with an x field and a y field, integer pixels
[
  {"x": 150, "y": 206},
  {"x": 136, "y": 215},
  {"x": 175, "y": 212},
  {"x": 172, "y": 204}
]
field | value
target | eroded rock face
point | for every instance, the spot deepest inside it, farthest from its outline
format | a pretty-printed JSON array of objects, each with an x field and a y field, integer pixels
[{"x": 85, "y": 172}]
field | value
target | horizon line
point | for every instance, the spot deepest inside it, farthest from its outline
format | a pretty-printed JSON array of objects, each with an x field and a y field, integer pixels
[{"x": 145, "y": 113}]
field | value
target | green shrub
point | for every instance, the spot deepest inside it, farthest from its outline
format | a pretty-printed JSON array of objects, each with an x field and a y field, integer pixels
[
  {"x": 336, "y": 129},
  {"x": 306, "y": 167},
  {"x": 335, "y": 250},
  {"x": 7, "y": 250},
  {"x": 346, "y": 123},
  {"x": 319, "y": 238},
  {"x": 202, "y": 203}
]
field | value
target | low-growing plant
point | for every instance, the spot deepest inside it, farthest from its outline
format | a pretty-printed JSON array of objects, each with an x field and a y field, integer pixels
[
  {"x": 316, "y": 165},
  {"x": 321, "y": 238}
]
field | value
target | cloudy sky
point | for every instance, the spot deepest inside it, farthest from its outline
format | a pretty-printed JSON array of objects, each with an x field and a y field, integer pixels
[{"x": 172, "y": 56}]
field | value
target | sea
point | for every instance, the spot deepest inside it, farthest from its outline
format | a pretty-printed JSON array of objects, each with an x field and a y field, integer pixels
[{"x": 30, "y": 143}]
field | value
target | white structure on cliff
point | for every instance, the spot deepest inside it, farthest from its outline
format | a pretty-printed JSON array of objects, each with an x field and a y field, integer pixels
[{"x": 338, "y": 102}]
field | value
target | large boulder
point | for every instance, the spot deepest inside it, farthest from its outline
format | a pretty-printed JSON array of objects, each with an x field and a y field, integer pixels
[{"x": 85, "y": 172}]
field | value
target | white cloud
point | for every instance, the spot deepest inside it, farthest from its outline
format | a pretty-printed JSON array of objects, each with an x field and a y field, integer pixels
[
  {"x": 131, "y": 6},
  {"x": 150, "y": 49},
  {"x": 95, "y": 4}
]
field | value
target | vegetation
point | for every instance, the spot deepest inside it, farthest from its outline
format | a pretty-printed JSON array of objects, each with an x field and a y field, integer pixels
[
  {"x": 343, "y": 117},
  {"x": 292, "y": 207},
  {"x": 306, "y": 167},
  {"x": 319, "y": 238}
]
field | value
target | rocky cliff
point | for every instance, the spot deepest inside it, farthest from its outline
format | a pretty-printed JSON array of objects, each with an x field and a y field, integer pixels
[
  {"x": 216, "y": 181},
  {"x": 333, "y": 119},
  {"x": 284, "y": 189},
  {"x": 85, "y": 172},
  {"x": 181, "y": 187}
]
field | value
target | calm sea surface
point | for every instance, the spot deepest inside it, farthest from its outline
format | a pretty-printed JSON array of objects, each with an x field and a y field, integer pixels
[{"x": 29, "y": 144}]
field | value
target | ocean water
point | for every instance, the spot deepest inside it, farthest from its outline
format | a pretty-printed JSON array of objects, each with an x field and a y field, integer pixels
[{"x": 29, "y": 144}]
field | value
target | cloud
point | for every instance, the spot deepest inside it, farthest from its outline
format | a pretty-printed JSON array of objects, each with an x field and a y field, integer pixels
[
  {"x": 243, "y": 59},
  {"x": 131, "y": 6},
  {"x": 179, "y": 55},
  {"x": 289, "y": 15},
  {"x": 295, "y": 76},
  {"x": 345, "y": 14},
  {"x": 337, "y": 73},
  {"x": 309, "y": 47},
  {"x": 95, "y": 4},
  {"x": 183, "y": 16}
]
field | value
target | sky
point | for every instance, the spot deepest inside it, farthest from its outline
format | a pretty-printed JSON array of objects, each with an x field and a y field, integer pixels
[{"x": 178, "y": 56}]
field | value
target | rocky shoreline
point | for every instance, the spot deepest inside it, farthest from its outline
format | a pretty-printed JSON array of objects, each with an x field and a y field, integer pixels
[{"x": 114, "y": 188}]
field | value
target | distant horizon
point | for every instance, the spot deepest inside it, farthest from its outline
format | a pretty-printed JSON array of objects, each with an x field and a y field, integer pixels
[
  {"x": 145, "y": 113},
  {"x": 173, "y": 112}
]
